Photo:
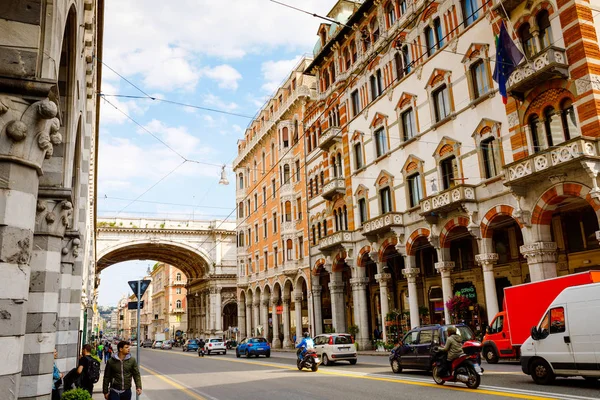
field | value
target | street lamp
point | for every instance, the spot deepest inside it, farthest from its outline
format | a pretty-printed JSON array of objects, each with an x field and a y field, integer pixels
[{"x": 224, "y": 180}]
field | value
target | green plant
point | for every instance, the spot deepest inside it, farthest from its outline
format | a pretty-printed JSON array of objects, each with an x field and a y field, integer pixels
[
  {"x": 162, "y": 225},
  {"x": 423, "y": 311},
  {"x": 330, "y": 330},
  {"x": 76, "y": 394},
  {"x": 353, "y": 330},
  {"x": 120, "y": 223},
  {"x": 388, "y": 346},
  {"x": 112, "y": 224}
]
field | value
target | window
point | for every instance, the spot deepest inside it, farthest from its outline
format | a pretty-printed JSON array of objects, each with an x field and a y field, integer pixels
[
  {"x": 319, "y": 230},
  {"x": 310, "y": 188},
  {"x": 449, "y": 168},
  {"x": 300, "y": 247},
  {"x": 355, "y": 103},
  {"x": 275, "y": 256},
  {"x": 296, "y": 132},
  {"x": 241, "y": 179},
  {"x": 406, "y": 59},
  {"x": 289, "y": 247},
  {"x": 257, "y": 264},
  {"x": 430, "y": 41},
  {"x": 178, "y": 277},
  {"x": 385, "y": 197},
  {"x": 241, "y": 210},
  {"x": 241, "y": 239},
  {"x": 489, "y": 158},
  {"x": 255, "y": 201},
  {"x": 316, "y": 185},
  {"x": 265, "y": 228},
  {"x": 469, "y": 9},
  {"x": 390, "y": 12},
  {"x": 375, "y": 29},
  {"x": 415, "y": 189},
  {"x": 314, "y": 235},
  {"x": 272, "y": 153},
  {"x": 346, "y": 60},
  {"x": 178, "y": 290},
  {"x": 402, "y": 7},
  {"x": 264, "y": 195},
  {"x": 553, "y": 126},
  {"x": 479, "y": 77},
  {"x": 297, "y": 170},
  {"x": 273, "y": 187},
  {"x": 553, "y": 322},
  {"x": 178, "y": 304},
  {"x": 441, "y": 103},
  {"x": 439, "y": 36},
  {"x": 568, "y": 119},
  {"x": 249, "y": 236},
  {"x": 358, "y": 156},
  {"x": 256, "y": 233},
  {"x": 543, "y": 23},
  {"x": 376, "y": 81},
  {"x": 286, "y": 174},
  {"x": 409, "y": 128},
  {"x": 255, "y": 169},
  {"x": 536, "y": 130},
  {"x": 353, "y": 51},
  {"x": 285, "y": 137},
  {"x": 264, "y": 162},
  {"x": 266, "y": 257},
  {"x": 381, "y": 145},
  {"x": 399, "y": 64},
  {"x": 362, "y": 211},
  {"x": 322, "y": 178},
  {"x": 288, "y": 211},
  {"x": 274, "y": 222},
  {"x": 299, "y": 207},
  {"x": 527, "y": 39}
]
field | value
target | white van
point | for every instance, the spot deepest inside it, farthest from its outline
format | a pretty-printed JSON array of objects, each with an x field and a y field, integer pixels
[{"x": 566, "y": 342}]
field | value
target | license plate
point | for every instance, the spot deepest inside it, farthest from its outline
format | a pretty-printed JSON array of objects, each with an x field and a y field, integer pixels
[{"x": 343, "y": 348}]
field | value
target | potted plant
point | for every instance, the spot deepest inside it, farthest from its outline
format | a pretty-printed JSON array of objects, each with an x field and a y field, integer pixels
[
  {"x": 353, "y": 330},
  {"x": 458, "y": 306},
  {"x": 76, "y": 394}
]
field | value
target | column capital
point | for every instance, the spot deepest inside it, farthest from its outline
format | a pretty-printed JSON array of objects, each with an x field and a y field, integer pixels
[
  {"x": 316, "y": 289},
  {"x": 486, "y": 260},
  {"x": 274, "y": 298},
  {"x": 336, "y": 287},
  {"x": 539, "y": 252},
  {"x": 411, "y": 273},
  {"x": 265, "y": 302},
  {"x": 383, "y": 278},
  {"x": 361, "y": 282},
  {"x": 256, "y": 303},
  {"x": 444, "y": 266},
  {"x": 286, "y": 300},
  {"x": 53, "y": 216},
  {"x": 298, "y": 297},
  {"x": 70, "y": 250}
]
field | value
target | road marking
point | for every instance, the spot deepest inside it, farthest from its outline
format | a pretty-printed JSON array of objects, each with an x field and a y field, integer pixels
[{"x": 177, "y": 385}]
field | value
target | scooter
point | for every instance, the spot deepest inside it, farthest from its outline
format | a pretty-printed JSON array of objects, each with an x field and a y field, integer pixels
[
  {"x": 310, "y": 360},
  {"x": 201, "y": 351},
  {"x": 465, "y": 369}
]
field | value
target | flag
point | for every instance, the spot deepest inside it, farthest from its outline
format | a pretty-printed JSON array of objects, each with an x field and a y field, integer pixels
[{"x": 508, "y": 57}]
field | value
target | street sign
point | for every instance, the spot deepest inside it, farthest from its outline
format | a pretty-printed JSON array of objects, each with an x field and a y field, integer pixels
[
  {"x": 134, "y": 286},
  {"x": 132, "y": 305}
]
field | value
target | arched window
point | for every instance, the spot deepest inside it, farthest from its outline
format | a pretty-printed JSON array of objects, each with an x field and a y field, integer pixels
[
  {"x": 552, "y": 123},
  {"x": 490, "y": 162},
  {"x": 353, "y": 51},
  {"x": 295, "y": 132},
  {"x": 272, "y": 153},
  {"x": 286, "y": 174},
  {"x": 345, "y": 218},
  {"x": 339, "y": 165},
  {"x": 536, "y": 131},
  {"x": 568, "y": 119},
  {"x": 241, "y": 179},
  {"x": 375, "y": 29},
  {"x": 527, "y": 39},
  {"x": 334, "y": 164},
  {"x": 289, "y": 248},
  {"x": 543, "y": 23},
  {"x": 178, "y": 277},
  {"x": 347, "y": 59},
  {"x": 178, "y": 304},
  {"x": 310, "y": 188},
  {"x": 288, "y": 211},
  {"x": 241, "y": 210},
  {"x": 390, "y": 12},
  {"x": 264, "y": 162},
  {"x": 323, "y": 176},
  {"x": 241, "y": 239},
  {"x": 319, "y": 230},
  {"x": 285, "y": 137},
  {"x": 314, "y": 235},
  {"x": 255, "y": 169},
  {"x": 335, "y": 218}
]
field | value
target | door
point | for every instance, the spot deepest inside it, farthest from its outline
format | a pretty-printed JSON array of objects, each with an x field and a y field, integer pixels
[
  {"x": 499, "y": 334},
  {"x": 555, "y": 342},
  {"x": 585, "y": 332},
  {"x": 409, "y": 350},
  {"x": 424, "y": 349}
]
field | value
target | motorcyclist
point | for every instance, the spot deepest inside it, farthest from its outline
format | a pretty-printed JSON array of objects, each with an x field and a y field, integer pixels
[
  {"x": 201, "y": 345},
  {"x": 305, "y": 344},
  {"x": 453, "y": 348}
]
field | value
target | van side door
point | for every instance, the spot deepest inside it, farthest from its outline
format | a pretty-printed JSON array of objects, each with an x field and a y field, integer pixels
[
  {"x": 554, "y": 344},
  {"x": 585, "y": 334}
]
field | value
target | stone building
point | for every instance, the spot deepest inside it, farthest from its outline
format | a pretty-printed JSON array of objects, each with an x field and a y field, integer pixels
[
  {"x": 169, "y": 300},
  {"x": 273, "y": 263},
  {"x": 48, "y": 126},
  {"x": 431, "y": 185}
]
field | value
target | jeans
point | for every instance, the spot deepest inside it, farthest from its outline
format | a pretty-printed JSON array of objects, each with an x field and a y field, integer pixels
[{"x": 126, "y": 395}]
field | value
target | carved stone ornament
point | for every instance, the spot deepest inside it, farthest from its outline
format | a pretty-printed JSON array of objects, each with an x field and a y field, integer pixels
[
  {"x": 53, "y": 217},
  {"x": 336, "y": 287},
  {"x": 539, "y": 252},
  {"x": 360, "y": 283},
  {"x": 383, "y": 278},
  {"x": 411, "y": 273},
  {"x": 71, "y": 244},
  {"x": 444, "y": 266},
  {"x": 28, "y": 133},
  {"x": 486, "y": 260}
]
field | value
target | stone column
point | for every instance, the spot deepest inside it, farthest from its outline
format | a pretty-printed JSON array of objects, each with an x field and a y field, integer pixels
[
  {"x": 298, "y": 314},
  {"x": 27, "y": 135},
  {"x": 218, "y": 311},
  {"x": 256, "y": 315},
  {"x": 248, "y": 317},
  {"x": 411, "y": 275},
  {"x": 445, "y": 268},
  {"x": 210, "y": 308},
  {"x": 359, "y": 291},
  {"x": 317, "y": 307},
  {"x": 276, "y": 341},
  {"x": 264, "y": 316},
  {"x": 338, "y": 309},
  {"x": 383, "y": 280},
  {"x": 287, "y": 343},
  {"x": 487, "y": 262},
  {"x": 541, "y": 258},
  {"x": 241, "y": 309}
]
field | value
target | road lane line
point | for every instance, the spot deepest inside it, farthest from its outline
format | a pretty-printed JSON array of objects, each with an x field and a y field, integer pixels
[{"x": 178, "y": 385}]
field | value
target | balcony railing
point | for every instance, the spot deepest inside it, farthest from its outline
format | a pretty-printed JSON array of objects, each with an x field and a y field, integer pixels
[
  {"x": 290, "y": 267},
  {"x": 554, "y": 161},
  {"x": 448, "y": 200},
  {"x": 335, "y": 185},
  {"x": 178, "y": 311},
  {"x": 288, "y": 227},
  {"x": 508, "y": 5},
  {"x": 546, "y": 65},
  {"x": 383, "y": 223},
  {"x": 334, "y": 240},
  {"x": 330, "y": 136}
]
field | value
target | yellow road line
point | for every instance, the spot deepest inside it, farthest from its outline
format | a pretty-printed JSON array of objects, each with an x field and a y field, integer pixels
[
  {"x": 392, "y": 380},
  {"x": 174, "y": 384}
]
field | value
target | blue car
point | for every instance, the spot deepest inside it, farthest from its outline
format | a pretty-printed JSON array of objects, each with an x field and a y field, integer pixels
[
  {"x": 190, "y": 345},
  {"x": 254, "y": 346}
]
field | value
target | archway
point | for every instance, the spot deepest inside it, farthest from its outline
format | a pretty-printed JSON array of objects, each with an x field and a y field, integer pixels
[
  {"x": 230, "y": 314},
  {"x": 425, "y": 259},
  {"x": 394, "y": 263},
  {"x": 323, "y": 278}
]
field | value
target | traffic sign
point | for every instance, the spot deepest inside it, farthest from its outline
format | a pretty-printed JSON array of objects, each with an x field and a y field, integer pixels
[
  {"x": 134, "y": 286},
  {"x": 132, "y": 305}
]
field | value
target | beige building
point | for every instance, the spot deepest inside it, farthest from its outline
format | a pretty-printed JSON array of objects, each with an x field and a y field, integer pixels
[{"x": 169, "y": 301}]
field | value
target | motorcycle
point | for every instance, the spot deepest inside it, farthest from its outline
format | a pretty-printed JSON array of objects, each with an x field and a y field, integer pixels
[
  {"x": 310, "y": 360},
  {"x": 201, "y": 351},
  {"x": 465, "y": 369}
]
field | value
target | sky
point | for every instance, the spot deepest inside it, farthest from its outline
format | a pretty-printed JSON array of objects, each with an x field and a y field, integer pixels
[{"x": 229, "y": 55}]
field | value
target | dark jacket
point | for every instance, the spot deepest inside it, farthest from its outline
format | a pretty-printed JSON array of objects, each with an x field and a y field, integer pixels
[{"x": 118, "y": 373}]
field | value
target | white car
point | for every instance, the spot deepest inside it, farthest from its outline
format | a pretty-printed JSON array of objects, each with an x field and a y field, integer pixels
[
  {"x": 333, "y": 347},
  {"x": 215, "y": 345}
]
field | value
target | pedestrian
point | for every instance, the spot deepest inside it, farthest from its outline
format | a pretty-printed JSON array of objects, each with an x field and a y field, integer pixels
[
  {"x": 119, "y": 371},
  {"x": 108, "y": 355},
  {"x": 376, "y": 333},
  {"x": 294, "y": 338},
  {"x": 100, "y": 350},
  {"x": 56, "y": 379},
  {"x": 88, "y": 370}
]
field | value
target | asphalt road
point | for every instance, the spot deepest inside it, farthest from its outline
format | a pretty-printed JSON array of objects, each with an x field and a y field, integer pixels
[{"x": 175, "y": 375}]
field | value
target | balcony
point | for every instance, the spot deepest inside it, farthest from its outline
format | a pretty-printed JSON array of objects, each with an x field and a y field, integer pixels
[
  {"x": 508, "y": 5},
  {"x": 548, "y": 64},
  {"x": 290, "y": 268},
  {"x": 240, "y": 194},
  {"x": 382, "y": 224},
  {"x": 334, "y": 186},
  {"x": 329, "y": 137},
  {"x": 288, "y": 227},
  {"x": 242, "y": 281},
  {"x": 448, "y": 200},
  {"x": 178, "y": 311},
  {"x": 334, "y": 240},
  {"x": 558, "y": 160}
]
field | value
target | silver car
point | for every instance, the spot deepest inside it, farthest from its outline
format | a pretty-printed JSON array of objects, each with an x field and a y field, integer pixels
[{"x": 333, "y": 347}]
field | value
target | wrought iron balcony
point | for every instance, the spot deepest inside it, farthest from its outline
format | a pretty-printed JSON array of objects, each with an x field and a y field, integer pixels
[
  {"x": 334, "y": 240},
  {"x": 334, "y": 186},
  {"x": 555, "y": 161},
  {"x": 382, "y": 224},
  {"x": 329, "y": 137},
  {"x": 546, "y": 65},
  {"x": 449, "y": 199}
]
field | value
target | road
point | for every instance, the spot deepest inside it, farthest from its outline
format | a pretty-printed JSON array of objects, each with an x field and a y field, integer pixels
[{"x": 175, "y": 375}]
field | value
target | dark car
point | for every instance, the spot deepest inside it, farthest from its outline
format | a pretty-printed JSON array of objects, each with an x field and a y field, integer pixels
[
  {"x": 253, "y": 346},
  {"x": 147, "y": 343},
  {"x": 190, "y": 345},
  {"x": 414, "y": 352}
]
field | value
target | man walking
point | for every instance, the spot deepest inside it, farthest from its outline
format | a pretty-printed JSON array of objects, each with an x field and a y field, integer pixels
[
  {"x": 83, "y": 369},
  {"x": 121, "y": 368},
  {"x": 100, "y": 351}
]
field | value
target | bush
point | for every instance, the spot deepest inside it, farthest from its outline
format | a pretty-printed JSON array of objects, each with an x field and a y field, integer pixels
[{"x": 76, "y": 394}]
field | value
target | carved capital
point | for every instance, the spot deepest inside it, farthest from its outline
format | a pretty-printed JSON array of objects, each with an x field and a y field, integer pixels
[
  {"x": 486, "y": 260},
  {"x": 383, "y": 279},
  {"x": 70, "y": 250},
  {"x": 539, "y": 252},
  {"x": 336, "y": 287},
  {"x": 53, "y": 217},
  {"x": 316, "y": 289},
  {"x": 28, "y": 132},
  {"x": 411, "y": 273},
  {"x": 286, "y": 300},
  {"x": 444, "y": 267},
  {"x": 359, "y": 283}
]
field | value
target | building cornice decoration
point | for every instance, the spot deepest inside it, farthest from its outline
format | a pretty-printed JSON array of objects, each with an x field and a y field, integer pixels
[
  {"x": 444, "y": 266},
  {"x": 53, "y": 217},
  {"x": 70, "y": 251},
  {"x": 539, "y": 252}
]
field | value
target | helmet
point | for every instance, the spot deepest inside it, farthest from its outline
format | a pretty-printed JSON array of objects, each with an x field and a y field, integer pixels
[
  {"x": 306, "y": 334},
  {"x": 451, "y": 330}
]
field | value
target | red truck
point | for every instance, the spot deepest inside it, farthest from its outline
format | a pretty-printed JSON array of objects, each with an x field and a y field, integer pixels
[{"x": 524, "y": 306}]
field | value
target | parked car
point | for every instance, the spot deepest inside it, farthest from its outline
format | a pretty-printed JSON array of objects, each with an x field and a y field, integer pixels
[
  {"x": 215, "y": 345},
  {"x": 147, "y": 343},
  {"x": 190, "y": 345},
  {"x": 414, "y": 352},
  {"x": 333, "y": 347},
  {"x": 134, "y": 343},
  {"x": 157, "y": 344},
  {"x": 254, "y": 346},
  {"x": 167, "y": 345}
]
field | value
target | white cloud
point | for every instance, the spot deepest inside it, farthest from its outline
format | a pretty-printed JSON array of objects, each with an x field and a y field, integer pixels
[
  {"x": 237, "y": 129},
  {"x": 225, "y": 75},
  {"x": 216, "y": 102},
  {"x": 274, "y": 72},
  {"x": 114, "y": 110}
]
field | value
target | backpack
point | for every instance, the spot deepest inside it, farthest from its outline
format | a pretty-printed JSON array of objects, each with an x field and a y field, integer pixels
[{"x": 93, "y": 371}]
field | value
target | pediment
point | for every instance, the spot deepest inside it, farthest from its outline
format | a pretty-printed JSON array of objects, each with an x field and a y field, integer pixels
[{"x": 378, "y": 119}]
